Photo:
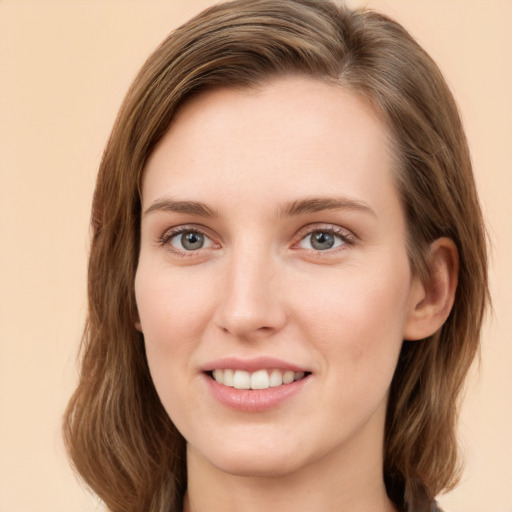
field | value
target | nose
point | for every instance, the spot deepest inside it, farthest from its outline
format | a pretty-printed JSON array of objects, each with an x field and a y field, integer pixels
[{"x": 251, "y": 302}]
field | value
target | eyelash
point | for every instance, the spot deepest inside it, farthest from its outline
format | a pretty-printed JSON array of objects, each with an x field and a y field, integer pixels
[
  {"x": 344, "y": 235},
  {"x": 166, "y": 239}
]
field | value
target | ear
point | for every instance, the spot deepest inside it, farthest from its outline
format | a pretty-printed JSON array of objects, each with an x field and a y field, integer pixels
[
  {"x": 136, "y": 321},
  {"x": 430, "y": 302}
]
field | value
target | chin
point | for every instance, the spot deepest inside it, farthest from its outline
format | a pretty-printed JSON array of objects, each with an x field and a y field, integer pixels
[
  {"x": 269, "y": 467},
  {"x": 262, "y": 460}
]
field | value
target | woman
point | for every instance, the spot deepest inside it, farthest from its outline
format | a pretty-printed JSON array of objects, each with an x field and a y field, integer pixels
[{"x": 287, "y": 275}]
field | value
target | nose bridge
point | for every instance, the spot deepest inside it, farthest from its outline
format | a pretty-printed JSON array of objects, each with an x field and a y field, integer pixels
[{"x": 251, "y": 302}]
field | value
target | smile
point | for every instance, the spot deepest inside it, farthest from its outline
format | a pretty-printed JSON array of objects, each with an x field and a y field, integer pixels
[{"x": 260, "y": 379}]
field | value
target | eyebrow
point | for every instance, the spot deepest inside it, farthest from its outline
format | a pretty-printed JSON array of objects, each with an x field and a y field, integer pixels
[
  {"x": 289, "y": 209},
  {"x": 318, "y": 204},
  {"x": 190, "y": 207}
]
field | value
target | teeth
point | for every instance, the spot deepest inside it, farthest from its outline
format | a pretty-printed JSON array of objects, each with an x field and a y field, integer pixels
[
  {"x": 261, "y": 379},
  {"x": 276, "y": 378},
  {"x": 288, "y": 377},
  {"x": 242, "y": 380},
  {"x": 228, "y": 378},
  {"x": 218, "y": 375}
]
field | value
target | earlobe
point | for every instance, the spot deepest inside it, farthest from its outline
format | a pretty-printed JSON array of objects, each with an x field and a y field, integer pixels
[
  {"x": 431, "y": 302},
  {"x": 135, "y": 318},
  {"x": 136, "y": 321}
]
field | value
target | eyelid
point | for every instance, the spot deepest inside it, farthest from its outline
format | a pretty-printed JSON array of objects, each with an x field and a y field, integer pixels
[
  {"x": 345, "y": 234},
  {"x": 165, "y": 239}
]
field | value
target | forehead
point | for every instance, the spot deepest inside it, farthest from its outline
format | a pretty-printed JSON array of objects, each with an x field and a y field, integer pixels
[{"x": 295, "y": 135}]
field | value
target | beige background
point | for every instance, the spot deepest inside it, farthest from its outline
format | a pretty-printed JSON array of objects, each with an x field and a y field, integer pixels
[{"x": 64, "y": 68}]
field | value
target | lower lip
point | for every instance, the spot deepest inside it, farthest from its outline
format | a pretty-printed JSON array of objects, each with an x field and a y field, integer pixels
[{"x": 254, "y": 400}]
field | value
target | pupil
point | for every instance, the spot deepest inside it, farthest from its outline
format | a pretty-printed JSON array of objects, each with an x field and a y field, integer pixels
[
  {"x": 192, "y": 241},
  {"x": 322, "y": 241}
]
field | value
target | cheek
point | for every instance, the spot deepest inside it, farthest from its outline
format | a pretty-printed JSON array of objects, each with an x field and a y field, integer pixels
[
  {"x": 173, "y": 313},
  {"x": 168, "y": 312},
  {"x": 172, "y": 309},
  {"x": 357, "y": 320}
]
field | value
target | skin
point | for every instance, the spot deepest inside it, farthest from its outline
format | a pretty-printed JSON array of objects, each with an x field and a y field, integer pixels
[{"x": 258, "y": 287}]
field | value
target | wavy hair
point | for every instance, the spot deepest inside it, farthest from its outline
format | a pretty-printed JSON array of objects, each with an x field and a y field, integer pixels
[{"x": 119, "y": 437}]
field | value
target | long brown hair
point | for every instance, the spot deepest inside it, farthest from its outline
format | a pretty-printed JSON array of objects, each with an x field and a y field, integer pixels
[{"x": 119, "y": 437}]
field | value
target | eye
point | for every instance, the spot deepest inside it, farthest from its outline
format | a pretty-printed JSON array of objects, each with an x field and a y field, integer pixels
[
  {"x": 322, "y": 240},
  {"x": 187, "y": 240}
]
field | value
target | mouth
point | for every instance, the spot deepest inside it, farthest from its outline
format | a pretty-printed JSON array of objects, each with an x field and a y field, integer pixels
[{"x": 257, "y": 380}]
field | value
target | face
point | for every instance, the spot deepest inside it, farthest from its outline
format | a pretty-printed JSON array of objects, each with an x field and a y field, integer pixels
[{"x": 273, "y": 284}]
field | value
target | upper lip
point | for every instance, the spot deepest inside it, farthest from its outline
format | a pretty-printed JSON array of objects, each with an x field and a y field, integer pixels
[{"x": 252, "y": 365}]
